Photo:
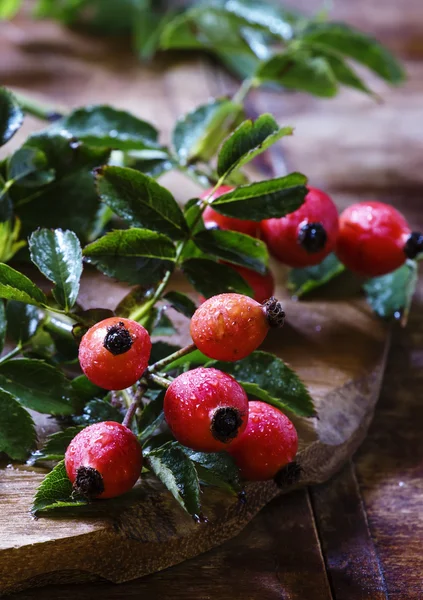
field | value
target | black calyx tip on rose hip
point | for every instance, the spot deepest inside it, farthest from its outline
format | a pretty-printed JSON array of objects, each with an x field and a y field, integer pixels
[
  {"x": 88, "y": 483},
  {"x": 312, "y": 237},
  {"x": 118, "y": 340},
  {"x": 275, "y": 314},
  {"x": 414, "y": 244},
  {"x": 226, "y": 423}
]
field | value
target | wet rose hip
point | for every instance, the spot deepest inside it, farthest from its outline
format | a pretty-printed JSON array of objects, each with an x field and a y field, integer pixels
[
  {"x": 268, "y": 443},
  {"x": 231, "y": 326},
  {"x": 114, "y": 353},
  {"x": 104, "y": 460},
  {"x": 375, "y": 239},
  {"x": 206, "y": 409},
  {"x": 306, "y": 236},
  {"x": 213, "y": 219}
]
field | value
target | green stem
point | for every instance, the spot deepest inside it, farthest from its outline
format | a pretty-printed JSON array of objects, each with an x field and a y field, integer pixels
[
  {"x": 37, "y": 109},
  {"x": 11, "y": 354},
  {"x": 141, "y": 311},
  {"x": 157, "y": 379},
  {"x": 132, "y": 405},
  {"x": 160, "y": 364},
  {"x": 244, "y": 89}
]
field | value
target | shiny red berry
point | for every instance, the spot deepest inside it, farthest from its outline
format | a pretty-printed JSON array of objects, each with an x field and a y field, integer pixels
[
  {"x": 268, "y": 444},
  {"x": 375, "y": 239},
  {"x": 306, "y": 236},
  {"x": 231, "y": 326},
  {"x": 212, "y": 218},
  {"x": 114, "y": 353},
  {"x": 206, "y": 409},
  {"x": 104, "y": 460}
]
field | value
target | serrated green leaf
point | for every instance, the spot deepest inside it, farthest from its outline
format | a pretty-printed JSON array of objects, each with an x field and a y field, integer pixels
[
  {"x": 16, "y": 286},
  {"x": 151, "y": 418},
  {"x": 248, "y": 141},
  {"x": 358, "y": 46},
  {"x": 234, "y": 247},
  {"x": 55, "y": 445},
  {"x": 98, "y": 410},
  {"x": 28, "y": 167},
  {"x": 211, "y": 278},
  {"x": 264, "y": 199},
  {"x": 268, "y": 378},
  {"x": 178, "y": 474},
  {"x": 58, "y": 256},
  {"x": 391, "y": 295},
  {"x": 55, "y": 491},
  {"x": 104, "y": 126},
  {"x": 137, "y": 256},
  {"x": 181, "y": 302},
  {"x": 140, "y": 200},
  {"x": 37, "y": 385},
  {"x": 23, "y": 320},
  {"x": 303, "y": 281},
  {"x": 198, "y": 134},
  {"x": 11, "y": 115},
  {"x": 17, "y": 429},
  {"x": 216, "y": 468},
  {"x": 300, "y": 70}
]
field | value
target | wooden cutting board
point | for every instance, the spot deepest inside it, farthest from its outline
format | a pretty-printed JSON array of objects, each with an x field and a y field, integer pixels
[{"x": 333, "y": 342}]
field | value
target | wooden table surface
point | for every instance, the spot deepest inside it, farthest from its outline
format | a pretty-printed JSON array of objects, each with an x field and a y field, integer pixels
[{"x": 359, "y": 536}]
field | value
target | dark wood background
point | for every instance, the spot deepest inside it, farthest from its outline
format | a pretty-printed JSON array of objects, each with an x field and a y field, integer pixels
[{"x": 359, "y": 536}]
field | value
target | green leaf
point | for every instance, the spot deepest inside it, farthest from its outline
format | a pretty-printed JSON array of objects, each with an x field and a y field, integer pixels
[
  {"x": 303, "y": 281},
  {"x": 104, "y": 126},
  {"x": 148, "y": 30},
  {"x": 16, "y": 286},
  {"x": 300, "y": 70},
  {"x": 264, "y": 199},
  {"x": 181, "y": 303},
  {"x": 177, "y": 472},
  {"x": 137, "y": 256},
  {"x": 211, "y": 278},
  {"x": 268, "y": 378},
  {"x": 140, "y": 201},
  {"x": 98, "y": 410},
  {"x": 9, "y": 8},
  {"x": 193, "y": 358},
  {"x": 23, "y": 320},
  {"x": 55, "y": 445},
  {"x": 136, "y": 297},
  {"x": 11, "y": 115},
  {"x": 234, "y": 247},
  {"x": 88, "y": 318},
  {"x": 55, "y": 491},
  {"x": 28, "y": 167},
  {"x": 85, "y": 389},
  {"x": 37, "y": 385},
  {"x": 163, "y": 326},
  {"x": 248, "y": 141},
  {"x": 358, "y": 46},
  {"x": 153, "y": 163},
  {"x": 3, "y": 325},
  {"x": 70, "y": 201},
  {"x": 151, "y": 418},
  {"x": 391, "y": 295},
  {"x": 198, "y": 134},
  {"x": 216, "y": 468},
  {"x": 58, "y": 255},
  {"x": 161, "y": 349},
  {"x": 276, "y": 20},
  {"x": 17, "y": 430}
]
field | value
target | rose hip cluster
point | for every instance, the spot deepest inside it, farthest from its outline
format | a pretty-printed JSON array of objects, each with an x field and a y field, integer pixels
[
  {"x": 205, "y": 408},
  {"x": 369, "y": 238}
]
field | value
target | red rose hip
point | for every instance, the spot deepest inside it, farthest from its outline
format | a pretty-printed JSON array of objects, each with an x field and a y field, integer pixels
[
  {"x": 306, "y": 236},
  {"x": 206, "y": 409},
  {"x": 231, "y": 326},
  {"x": 114, "y": 353},
  {"x": 375, "y": 239},
  {"x": 263, "y": 286},
  {"x": 213, "y": 219},
  {"x": 268, "y": 443},
  {"x": 104, "y": 460}
]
